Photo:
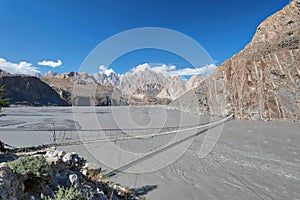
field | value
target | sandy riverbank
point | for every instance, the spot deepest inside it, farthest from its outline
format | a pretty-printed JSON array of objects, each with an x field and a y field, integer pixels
[{"x": 251, "y": 159}]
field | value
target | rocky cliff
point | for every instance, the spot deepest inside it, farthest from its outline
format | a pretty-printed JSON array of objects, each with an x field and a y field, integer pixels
[
  {"x": 64, "y": 84},
  {"x": 29, "y": 90},
  {"x": 111, "y": 79},
  {"x": 156, "y": 87},
  {"x": 261, "y": 81}
]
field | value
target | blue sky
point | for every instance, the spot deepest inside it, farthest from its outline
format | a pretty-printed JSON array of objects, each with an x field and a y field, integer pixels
[{"x": 36, "y": 30}]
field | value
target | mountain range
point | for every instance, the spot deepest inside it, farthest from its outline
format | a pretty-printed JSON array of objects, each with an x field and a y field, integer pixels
[
  {"x": 260, "y": 82},
  {"x": 140, "y": 86}
]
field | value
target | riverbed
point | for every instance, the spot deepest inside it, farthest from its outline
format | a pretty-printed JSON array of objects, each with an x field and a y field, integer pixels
[{"x": 167, "y": 154}]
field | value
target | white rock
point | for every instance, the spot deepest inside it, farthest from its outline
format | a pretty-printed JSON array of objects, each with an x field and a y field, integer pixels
[
  {"x": 52, "y": 153},
  {"x": 84, "y": 172},
  {"x": 67, "y": 158},
  {"x": 74, "y": 179},
  {"x": 61, "y": 154},
  {"x": 51, "y": 160},
  {"x": 89, "y": 166}
]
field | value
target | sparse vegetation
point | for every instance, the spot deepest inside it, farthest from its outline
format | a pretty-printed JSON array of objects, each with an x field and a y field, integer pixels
[
  {"x": 37, "y": 166},
  {"x": 48, "y": 178},
  {"x": 70, "y": 193},
  {"x": 3, "y": 101},
  {"x": 33, "y": 171}
]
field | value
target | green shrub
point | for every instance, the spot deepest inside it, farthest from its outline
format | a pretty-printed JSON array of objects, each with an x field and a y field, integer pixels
[
  {"x": 36, "y": 166},
  {"x": 70, "y": 193},
  {"x": 3, "y": 101}
]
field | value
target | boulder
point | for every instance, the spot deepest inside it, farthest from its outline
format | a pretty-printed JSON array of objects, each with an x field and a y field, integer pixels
[{"x": 8, "y": 183}]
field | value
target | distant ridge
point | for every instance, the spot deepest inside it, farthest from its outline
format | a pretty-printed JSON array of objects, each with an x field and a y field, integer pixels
[{"x": 29, "y": 90}]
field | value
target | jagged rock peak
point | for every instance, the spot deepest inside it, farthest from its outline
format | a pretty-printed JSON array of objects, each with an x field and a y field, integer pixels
[
  {"x": 164, "y": 94},
  {"x": 263, "y": 80},
  {"x": 110, "y": 79},
  {"x": 2, "y": 72},
  {"x": 278, "y": 32},
  {"x": 51, "y": 73}
]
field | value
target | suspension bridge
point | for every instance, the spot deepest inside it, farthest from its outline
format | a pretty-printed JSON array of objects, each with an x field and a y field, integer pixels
[{"x": 108, "y": 135}]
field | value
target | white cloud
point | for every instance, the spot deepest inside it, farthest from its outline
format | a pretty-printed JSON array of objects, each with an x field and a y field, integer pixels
[
  {"x": 172, "y": 71},
  {"x": 18, "y": 68},
  {"x": 104, "y": 70},
  {"x": 194, "y": 71},
  {"x": 50, "y": 63}
]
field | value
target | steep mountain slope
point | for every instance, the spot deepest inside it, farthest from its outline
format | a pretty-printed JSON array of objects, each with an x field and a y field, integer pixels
[
  {"x": 51, "y": 73},
  {"x": 103, "y": 95},
  {"x": 111, "y": 79},
  {"x": 142, "y": 82},
  {"x": 261, "y": 81},
  {"x": 194, "y": 81},
  {"x": 148, "y": 83},
  {"x": 29, "y": 90},
  {"x": 176, "y": 87}
]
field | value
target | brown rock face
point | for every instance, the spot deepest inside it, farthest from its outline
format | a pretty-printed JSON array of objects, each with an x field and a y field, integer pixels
[
  {"x": 142, "y": 82},
  {"x": 29, "y": 90},
  {"x": 85, "y": 85},
  {"x": 147, "y": 82},
  {"x": 262, "y": 81},
  {"x": 176, "y": 87},
  {"x": 195, "y": 81}
]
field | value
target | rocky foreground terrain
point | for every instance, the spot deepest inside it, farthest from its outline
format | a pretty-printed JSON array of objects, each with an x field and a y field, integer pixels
[
  {"x": 56, "y": 175},
  {"x": 260, "y": 82}
]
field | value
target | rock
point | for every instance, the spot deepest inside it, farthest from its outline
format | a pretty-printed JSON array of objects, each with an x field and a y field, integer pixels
[
  {"x": 67, "y": 158},
  {"x": 8, "y": 183},
  {"x": 61, "y": 154},
  {"x": 84, "y": 172},
  {"x": 176, "y": 87},
  {"x": 50, "y": 73},
  {"x": 52, "y": 160},
  {"x": 111, "y": 79},
  {"x": 89, "y": 166},
  {"x": 261, "y": 81},
  {"x": 52, "y": 153},
  {"x": 74, "y": 180},
  {"x": 195, "y": 81},
  {"x": 63, "y": 171},
  {"x": 146, "y": 86},
  {"x": 73, "y": 161},
  {"x": 144, "y": 81},
  {"x": 29, "y": 90},
  {"x": 75, "y": 88},
  {"x": 101, "y": 195},
  {"x": 2, "y": 72},
  {"x": 164, "y": 94}
]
